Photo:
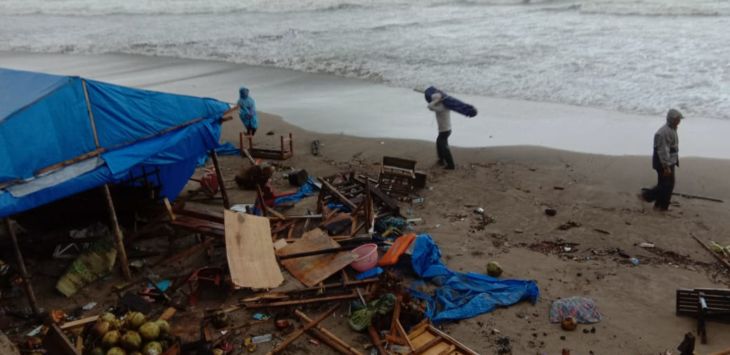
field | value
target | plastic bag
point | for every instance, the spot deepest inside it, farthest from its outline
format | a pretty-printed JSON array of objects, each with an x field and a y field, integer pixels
[{"x": 582, "y": 309}]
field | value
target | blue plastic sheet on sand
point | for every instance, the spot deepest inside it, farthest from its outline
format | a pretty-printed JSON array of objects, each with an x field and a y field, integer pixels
[
  {"x": 463, "y": 295},
  {"x": 308, "y": 189}
]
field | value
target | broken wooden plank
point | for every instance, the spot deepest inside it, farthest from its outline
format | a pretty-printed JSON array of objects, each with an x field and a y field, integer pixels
[
  {"x": 718, "y": 257},
  {"x": 57, "y": 343},
  {"x": 297, "y": 333},
  {"x": 326, "y": 333},
  {"x": 347, "y": 296},
  {"x": 338, "y": 194},
  {"x": 79, "y": 322},
  {"x": 375, "y": 339},
  {"x": 697, "y": 197},
  {"x": 250, "y": 251},
  {"x": 431, "y": 341},
  {"x": 311, "y": 270}
]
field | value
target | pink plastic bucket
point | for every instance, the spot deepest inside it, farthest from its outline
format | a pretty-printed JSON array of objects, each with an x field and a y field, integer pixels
[{"x": 367, "y": 257}]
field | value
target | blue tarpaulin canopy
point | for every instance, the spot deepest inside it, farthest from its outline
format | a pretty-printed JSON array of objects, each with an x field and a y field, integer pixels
[{"x": 61, "y": 135}]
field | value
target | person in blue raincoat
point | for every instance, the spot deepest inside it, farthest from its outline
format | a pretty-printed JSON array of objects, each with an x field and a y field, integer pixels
[{"x": 247, "y": 112}]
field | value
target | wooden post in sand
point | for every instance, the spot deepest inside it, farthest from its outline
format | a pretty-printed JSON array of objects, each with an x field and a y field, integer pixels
[{"x": 23, "y": 271}]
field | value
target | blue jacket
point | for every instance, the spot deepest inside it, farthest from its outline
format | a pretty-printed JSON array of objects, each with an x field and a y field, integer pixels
[{"x": 247, "y": 113}]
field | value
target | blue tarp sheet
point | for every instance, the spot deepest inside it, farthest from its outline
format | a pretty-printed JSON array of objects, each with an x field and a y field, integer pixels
[
  {"x": 308, "y": 189},
  {"x": 44, "y": 120},
  {"x": 463, "y": 295},
  {"x": 451, "y": 102}
]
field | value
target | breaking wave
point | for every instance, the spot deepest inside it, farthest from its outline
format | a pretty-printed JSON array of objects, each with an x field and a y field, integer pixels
[{"x": 630, "y": 55}]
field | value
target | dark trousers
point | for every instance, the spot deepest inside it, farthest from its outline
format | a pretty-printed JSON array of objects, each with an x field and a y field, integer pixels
[
  {"x": 442, "y": 149},
  {"x": 250, "y": 131},
  {"x": 661, "y": 194}
]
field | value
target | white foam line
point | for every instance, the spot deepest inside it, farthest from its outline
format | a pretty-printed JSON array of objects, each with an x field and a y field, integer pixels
[{"x": 329, "y": 104}]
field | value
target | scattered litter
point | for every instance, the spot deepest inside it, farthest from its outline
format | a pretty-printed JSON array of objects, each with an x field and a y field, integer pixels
[
  {"x": 634, "y": 261},
  {"x": 89, "y": 306},
  {"x": 646, "y": 245},
  {"x": 582, "y": 309},
  {"x": 370, "y": 273},
  {"x": 568, "y": 225},
  {"x": 35, "y": 331},
  {"x": 265, "y": 338},
  {"x": 242, "y": 208},
  {"x": 551, "y": 212},
  {"x": 569, "y": 324},
  {"x": 261, "y": 316}
]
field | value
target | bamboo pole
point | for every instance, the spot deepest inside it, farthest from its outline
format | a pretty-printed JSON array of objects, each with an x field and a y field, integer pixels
[
  {"x": 118, "y": 236},
  {"x": 23, "y": 271}
]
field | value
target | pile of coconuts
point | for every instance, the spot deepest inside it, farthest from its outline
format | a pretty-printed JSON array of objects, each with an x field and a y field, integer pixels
[{"x": 132, "y": 334}]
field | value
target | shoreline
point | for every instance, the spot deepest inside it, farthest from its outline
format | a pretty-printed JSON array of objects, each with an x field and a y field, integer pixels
[{"x": 317, "y": 102}]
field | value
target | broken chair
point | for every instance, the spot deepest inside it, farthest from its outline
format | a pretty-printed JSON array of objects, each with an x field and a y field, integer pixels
[{"x": 704, "y": 304}]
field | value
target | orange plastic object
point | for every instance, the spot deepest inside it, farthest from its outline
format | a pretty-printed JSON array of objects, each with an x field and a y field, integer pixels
[{"x": 397, "y": 249}]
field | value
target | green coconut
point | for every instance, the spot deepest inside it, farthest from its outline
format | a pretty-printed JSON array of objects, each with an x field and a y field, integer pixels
[
  {"x": 116, "y": 351},
  {"x": 135, "y": 353},
  {"x": 131, "y": 340},
  {"x": 110, "y": 339},
  {"x": 109, "y": 317},
  {"x": 494, "y": 269},
  {"x": 97, "y": 351},
  {"x": 217, "y": 351},
  {"x": 164, "y": 326},
  {"x": 135, "y": 320},
  {"x": 149, "y": 331},
  {"x": 102, "y": 327},
  {"x": 152, "y": 348}
]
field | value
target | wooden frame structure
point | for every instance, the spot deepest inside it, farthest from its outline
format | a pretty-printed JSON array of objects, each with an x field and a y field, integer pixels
[
  {"x": 704, "y": 304},
  {"x": 397, "y": 177},
  {"x": 285, "y": 152}
]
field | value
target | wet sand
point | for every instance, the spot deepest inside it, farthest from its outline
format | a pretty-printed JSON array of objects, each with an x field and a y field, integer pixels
[{"x": 514, "y": 185}]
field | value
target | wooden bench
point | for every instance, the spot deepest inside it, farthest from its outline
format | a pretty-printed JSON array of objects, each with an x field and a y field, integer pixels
[
  {"x": 397, "y": 177},
  {"x": 704, "y": 304},
  {"x": 285, "y": 152}
]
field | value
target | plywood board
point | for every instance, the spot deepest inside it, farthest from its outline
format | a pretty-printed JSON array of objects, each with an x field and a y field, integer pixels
[
  {"x": 311, "y": 270},
  {"x": 250, "y": 251}
]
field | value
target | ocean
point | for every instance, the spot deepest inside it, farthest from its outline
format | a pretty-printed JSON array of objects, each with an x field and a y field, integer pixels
[{"x": 633, "y": 56}]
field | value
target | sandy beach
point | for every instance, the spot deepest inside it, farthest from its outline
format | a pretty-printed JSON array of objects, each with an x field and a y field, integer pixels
[{"x": 509, "y": 163}]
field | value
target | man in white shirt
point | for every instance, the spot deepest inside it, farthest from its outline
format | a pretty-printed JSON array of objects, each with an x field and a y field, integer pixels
[
  {"x": 443, "y": 119},
  {"x": 664, "y": 159}
]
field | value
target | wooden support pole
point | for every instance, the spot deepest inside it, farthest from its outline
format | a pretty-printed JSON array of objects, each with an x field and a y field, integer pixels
[
  {"x": 297, "y": 333},
  {"x": 118, "y": 236},
  {"x": 219, "y": 176},
  {"x": 23, "y": 271}
]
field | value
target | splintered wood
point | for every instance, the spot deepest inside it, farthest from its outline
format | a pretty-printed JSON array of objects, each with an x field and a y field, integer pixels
[
  {"x": 427, "y": 340},
  {"x": 250, "y": 251},
  {"x": 311, "y": 270}
]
